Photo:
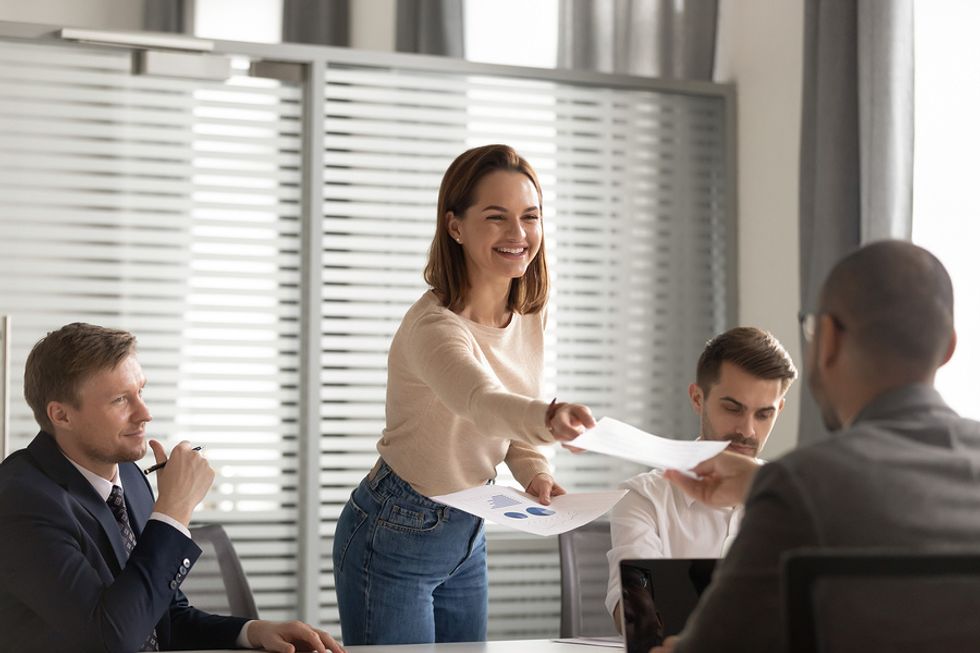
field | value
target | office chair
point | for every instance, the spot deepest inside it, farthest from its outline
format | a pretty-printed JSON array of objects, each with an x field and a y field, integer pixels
[
  {"x": 584, "y": 578},
  {"x": 217, "y": 582},
  {"x": 842, "y": 600}
]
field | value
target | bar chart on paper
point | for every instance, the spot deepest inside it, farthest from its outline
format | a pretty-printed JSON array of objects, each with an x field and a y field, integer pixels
[{"x": 502, "y": 501}]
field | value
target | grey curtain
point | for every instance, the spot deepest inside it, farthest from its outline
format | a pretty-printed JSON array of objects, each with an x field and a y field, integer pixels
[
  {"x": 430, "y": 27},
  {"x": 654, "y": 38},
  {"x": 323, "y": 22},
  {"x": 165, "y": 15},
  {"x": 856, "y": 140}
]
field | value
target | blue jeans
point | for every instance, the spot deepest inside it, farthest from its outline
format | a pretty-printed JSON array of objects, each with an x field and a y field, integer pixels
[{"x": 408, "y": 570}]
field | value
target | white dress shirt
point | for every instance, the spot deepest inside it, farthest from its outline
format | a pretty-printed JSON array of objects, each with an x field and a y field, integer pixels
[
  {"x": 657, "y": 520},
  {"x": 104, "y": 488}
]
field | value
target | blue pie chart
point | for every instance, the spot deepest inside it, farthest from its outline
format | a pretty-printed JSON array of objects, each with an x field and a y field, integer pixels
[
  {"x": 540, "y": 512},
  {"x": 515, "y": 515}
]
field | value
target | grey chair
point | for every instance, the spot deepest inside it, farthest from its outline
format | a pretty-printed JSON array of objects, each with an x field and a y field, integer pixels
[
  {"x": 217, "y": 582},
  {"x": 843, "y": 600},
  {"x": 584, "y": 578}
]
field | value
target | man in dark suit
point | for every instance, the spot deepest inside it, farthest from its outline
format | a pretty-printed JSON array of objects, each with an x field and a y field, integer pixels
[{"x": 88, "y": 560}]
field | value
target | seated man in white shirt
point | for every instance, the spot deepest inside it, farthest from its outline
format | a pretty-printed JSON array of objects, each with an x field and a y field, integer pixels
[{"x": 741, "y": 383}]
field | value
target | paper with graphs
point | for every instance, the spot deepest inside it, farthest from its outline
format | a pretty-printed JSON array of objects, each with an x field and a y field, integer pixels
[
  {"x": 518, "y": 510},
  {"x": 615, "y": 438}
]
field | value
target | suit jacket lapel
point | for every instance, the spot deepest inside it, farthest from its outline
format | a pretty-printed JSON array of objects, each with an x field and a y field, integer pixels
[
  {"x": 53, "y": 463},
  {"x": 139, "y": 497}
]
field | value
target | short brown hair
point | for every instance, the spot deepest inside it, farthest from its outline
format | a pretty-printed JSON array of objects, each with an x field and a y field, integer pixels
[
  {"x": 446, "y": 268},
  {"x": 62, "y": 360},
  {"x": 754, "y": 350}
]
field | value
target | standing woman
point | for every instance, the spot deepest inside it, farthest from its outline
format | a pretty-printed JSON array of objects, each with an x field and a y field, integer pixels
[{"x": 464, "y": 381}]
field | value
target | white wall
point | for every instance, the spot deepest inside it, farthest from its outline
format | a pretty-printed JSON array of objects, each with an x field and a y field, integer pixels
[
  {"x": 372, "y": 25},
  {"x": 761, "y": 50},
  {"x": 101, "y": 14}
]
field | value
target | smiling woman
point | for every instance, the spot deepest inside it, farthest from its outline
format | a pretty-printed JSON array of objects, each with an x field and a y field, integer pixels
[
  {"x": 464, "y": 385},
  {"x": 500, "y": 235}
]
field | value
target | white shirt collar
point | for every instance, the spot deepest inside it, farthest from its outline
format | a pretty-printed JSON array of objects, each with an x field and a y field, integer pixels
[{"x": 102, "y": 487}]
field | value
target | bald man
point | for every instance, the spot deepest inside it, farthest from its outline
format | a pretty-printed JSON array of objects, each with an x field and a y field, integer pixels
[{"x": 903, "y": 470}]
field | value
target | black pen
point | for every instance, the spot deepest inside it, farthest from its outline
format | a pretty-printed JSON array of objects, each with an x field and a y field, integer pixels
[{"x": 152, "y": 468}]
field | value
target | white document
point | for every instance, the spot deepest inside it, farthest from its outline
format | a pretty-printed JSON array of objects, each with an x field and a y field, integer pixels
[
  {"x": 518, "y": 510},
  {"x": 614, "y": 438}
]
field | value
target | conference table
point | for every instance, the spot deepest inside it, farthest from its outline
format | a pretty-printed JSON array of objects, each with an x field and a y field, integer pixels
[{"x": 501, "y": 646}]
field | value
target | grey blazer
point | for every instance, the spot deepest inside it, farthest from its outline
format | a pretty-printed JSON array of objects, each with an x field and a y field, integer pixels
[{"x": 905, "y": 474}]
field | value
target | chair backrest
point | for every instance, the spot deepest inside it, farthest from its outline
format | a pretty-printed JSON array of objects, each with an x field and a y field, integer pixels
[
  {"x": 217, "y": 582},
  {"x": 844, "y": 600},
  {"x": 584, "y": 578}
]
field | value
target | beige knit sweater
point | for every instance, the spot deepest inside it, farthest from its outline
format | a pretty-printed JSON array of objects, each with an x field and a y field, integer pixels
[{"x": 462, "y": 397}]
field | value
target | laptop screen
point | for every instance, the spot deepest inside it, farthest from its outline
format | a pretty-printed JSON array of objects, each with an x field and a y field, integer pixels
[{"x": 658, "y": 596}]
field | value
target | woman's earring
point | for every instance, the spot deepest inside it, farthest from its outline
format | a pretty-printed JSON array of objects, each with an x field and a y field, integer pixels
[{"x": 459, "y": 240}]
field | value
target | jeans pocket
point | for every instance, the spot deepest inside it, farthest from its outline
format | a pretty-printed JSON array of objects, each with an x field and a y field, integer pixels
[
  {"x": 406, "y": 517},
  {"x": 351, "y": 520}
]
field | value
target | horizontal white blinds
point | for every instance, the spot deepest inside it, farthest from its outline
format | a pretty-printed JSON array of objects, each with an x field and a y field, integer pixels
[
  {"x": 636, "y": 229},
  {"x": 170, "y": 208}
]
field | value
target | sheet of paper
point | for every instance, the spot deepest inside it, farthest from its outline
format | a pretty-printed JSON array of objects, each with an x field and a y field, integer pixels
[
  {"x": 518, "y": 510},
  {"x": 615, "y": 438}
]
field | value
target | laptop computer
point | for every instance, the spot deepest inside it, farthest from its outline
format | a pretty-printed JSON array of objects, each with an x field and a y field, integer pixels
[{"x": 659, "y": 595}]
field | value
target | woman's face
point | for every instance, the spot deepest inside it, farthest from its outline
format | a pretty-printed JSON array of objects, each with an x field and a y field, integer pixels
[{"x": 501, "y": 232}]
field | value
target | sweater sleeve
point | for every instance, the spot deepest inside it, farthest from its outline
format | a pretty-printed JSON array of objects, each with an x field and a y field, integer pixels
[
  {"x": 525, "y": 462},
  {"x": 443, "y": 357}
]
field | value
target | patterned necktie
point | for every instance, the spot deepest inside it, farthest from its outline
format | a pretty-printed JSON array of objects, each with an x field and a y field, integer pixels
[{"x": 118, "y": 507}]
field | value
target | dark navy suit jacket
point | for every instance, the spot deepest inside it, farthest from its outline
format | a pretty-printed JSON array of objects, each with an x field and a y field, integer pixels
[{"x": 65, "y": 584}]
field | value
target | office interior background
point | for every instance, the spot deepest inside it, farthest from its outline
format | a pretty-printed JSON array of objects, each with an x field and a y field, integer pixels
[{"x": 180, "y": 208}]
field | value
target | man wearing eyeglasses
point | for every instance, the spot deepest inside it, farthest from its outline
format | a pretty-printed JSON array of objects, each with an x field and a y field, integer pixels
[
  {"x": 902, "y": 470},
  {"x": 740, "y": 386}
]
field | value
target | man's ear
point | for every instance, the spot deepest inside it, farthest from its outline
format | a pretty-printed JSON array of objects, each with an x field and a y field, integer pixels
[
  {"x": 828, "y": 340},
  {"x": 782, "y": 404},
  {"x": 696, "y": 394},
  {"x": 59, "y": 415},
  {"x": 949, "y": 349}
]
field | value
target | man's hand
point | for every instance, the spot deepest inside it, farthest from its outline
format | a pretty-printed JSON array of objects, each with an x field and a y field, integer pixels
[
  {"x": 617, "y": 616},
  {"x": 725, "y": 479},
  {"x": 543, "y": 486},
  {"x": 183, "y": 483},
  {"x": 569, "y": 421},
  {"x": 290, "y": 636},
  {"x": 667, "y": 646}
]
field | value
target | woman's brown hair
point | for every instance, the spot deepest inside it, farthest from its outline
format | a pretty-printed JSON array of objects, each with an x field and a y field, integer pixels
[{"x": 446, "y": 269}]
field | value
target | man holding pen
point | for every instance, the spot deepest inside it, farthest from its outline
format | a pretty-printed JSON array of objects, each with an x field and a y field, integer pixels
[{"x": 88, "y": 560}]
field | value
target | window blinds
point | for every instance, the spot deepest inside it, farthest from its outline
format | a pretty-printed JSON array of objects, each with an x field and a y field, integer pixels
[
  {"x": 636, "y": 226},
  {"x": 169, "y": 208},
  {"x": 176, "y": 208}
]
